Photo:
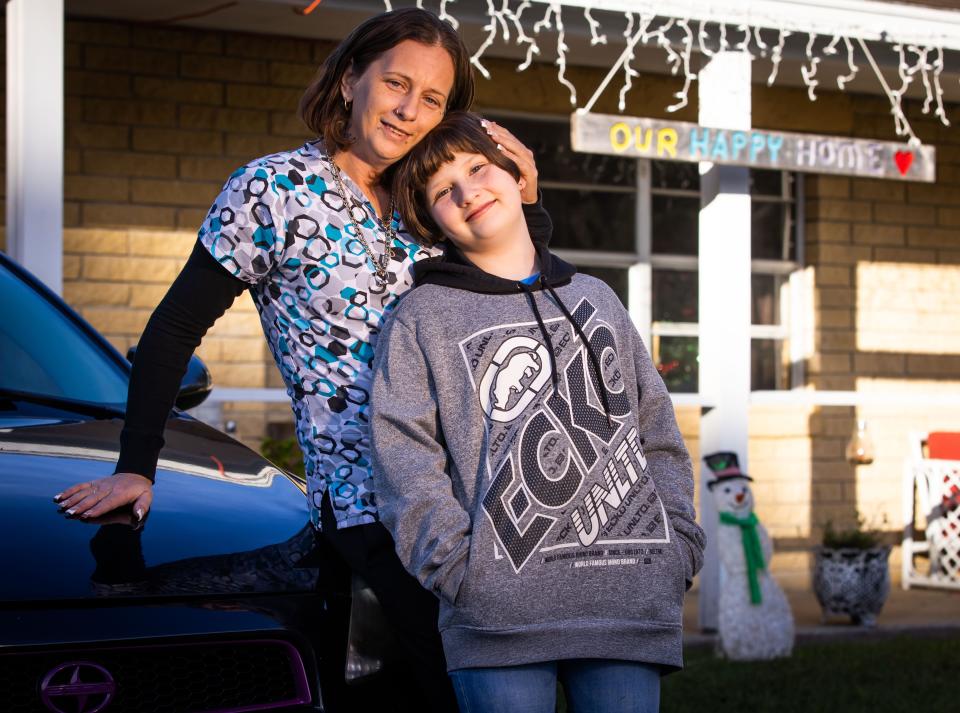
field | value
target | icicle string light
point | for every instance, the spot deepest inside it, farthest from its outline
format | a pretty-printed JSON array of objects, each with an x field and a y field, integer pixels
[
  {"x": 924, "y": 67},
  {"x": 595, "y": 37},
  {"x": 561, "y": 61},
  {"x": 623, "y": 61},
  {"x": 742, "y": 45},
  {"x": 831, "y": 49},
  {"x": 906, "y": 77},
  {"x": 688, "y": 76},
  {"x": 776, "y": 56},
  {"x": 844, "y": 78},
  {"x": 491, "y": 29},
  {"x": 673, "y": 58},
  {"x": 903, "y": 127},
  {"x": 629, "y": 72},
  {"x": 809, "y": 73},
  {"x": 701, "y": 39},
  {"x": 903, "y": 69},
  {"x": 502, "y": 19},
  {"x": 544, "y": 23},
  {"x": 933, "y": 91},
  {"x": 522, "y": 37},
  {"x": 514, "y": 18},
  {"x": 758, "y": 40},
  {"x": 678, "y": 40},
  {"x": 444, "y": 15},
  {"x": 940, "y": 113}
]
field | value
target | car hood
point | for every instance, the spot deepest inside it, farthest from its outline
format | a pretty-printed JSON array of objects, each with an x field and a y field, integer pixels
[{"x": 223, "y": 521}]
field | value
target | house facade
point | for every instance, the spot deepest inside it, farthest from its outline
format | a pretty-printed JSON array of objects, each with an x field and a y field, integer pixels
[{"x": 855, "y": 282}]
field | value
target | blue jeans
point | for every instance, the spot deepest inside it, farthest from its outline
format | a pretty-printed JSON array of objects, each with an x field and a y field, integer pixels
[{"x": 591, "y": 686}]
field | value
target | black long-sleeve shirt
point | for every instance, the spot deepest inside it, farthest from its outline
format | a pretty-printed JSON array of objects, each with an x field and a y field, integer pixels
[{"x": 202, "y": 292}]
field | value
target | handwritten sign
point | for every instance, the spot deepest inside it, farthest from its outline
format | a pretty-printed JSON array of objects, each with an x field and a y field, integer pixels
[{"x": 812, "y": 153}]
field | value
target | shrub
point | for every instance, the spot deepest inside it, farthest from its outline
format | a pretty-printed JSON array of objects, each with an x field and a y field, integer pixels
[{"x": 860, "y": 537}]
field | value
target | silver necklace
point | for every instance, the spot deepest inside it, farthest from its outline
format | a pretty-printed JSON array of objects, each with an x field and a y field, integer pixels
[{"x": 358, "y": 215}]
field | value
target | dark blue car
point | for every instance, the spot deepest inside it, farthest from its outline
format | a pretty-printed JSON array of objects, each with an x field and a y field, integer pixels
[{"x": 219, "y": 602}]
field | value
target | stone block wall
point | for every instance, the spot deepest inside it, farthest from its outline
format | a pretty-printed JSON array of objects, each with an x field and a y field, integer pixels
[
  {"x": 886, "y": 262},
  {"x": 883, "y": 259},
  {"x": 157, "y": 118}
]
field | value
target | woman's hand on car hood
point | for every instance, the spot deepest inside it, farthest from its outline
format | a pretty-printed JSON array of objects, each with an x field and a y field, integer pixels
[{"x": 96, "y": 497}]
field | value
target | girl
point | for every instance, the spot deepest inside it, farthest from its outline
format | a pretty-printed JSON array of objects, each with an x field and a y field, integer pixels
[{"x": 526, "y": 452}]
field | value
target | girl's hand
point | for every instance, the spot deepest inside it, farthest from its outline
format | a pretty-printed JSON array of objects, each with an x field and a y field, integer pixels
[
  {"x": 519, "y": 154},
  {"x": 97, "y": 497}
]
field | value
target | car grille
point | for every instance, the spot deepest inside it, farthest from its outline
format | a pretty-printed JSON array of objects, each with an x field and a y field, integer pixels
[{"x": 171, "y": 678}]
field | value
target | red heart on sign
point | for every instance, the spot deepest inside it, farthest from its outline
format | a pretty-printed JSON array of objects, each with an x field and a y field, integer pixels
[{"x": 903, "y": 159}]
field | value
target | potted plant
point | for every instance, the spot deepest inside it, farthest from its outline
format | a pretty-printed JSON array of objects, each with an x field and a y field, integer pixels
[{"x": 851, "y": 575}]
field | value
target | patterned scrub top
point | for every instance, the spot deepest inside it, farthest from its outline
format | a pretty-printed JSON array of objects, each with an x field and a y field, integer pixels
[{"x": 280, "y": 225}]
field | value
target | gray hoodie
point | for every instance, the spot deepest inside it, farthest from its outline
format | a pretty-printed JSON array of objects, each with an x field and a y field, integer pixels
[{"x": 552, "y": 516}]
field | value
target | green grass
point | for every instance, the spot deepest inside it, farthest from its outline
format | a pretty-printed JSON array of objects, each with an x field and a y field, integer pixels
[{"x": 876, "y": 676}]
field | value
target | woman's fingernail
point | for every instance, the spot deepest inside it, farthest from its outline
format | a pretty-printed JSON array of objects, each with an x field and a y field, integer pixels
[
  {"x": 484, "y": 123},
  {"x": 139, "y": 513},
  {"x": 57, "y": 497},
  {"x": 71, "y": 511},
  {"x": 499, "y": 147},
  {"x": 85, "y": 515}
]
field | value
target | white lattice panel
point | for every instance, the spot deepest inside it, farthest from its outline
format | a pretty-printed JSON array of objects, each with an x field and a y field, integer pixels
[
  {"x": 937, "y": 485},
  {"x": 943, "y": 522}
]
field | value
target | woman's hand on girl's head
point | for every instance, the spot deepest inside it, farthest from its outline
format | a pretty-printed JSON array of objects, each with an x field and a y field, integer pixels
[
  {"x": 519, "y": 154},
  {"x": 96, "y": 497}
]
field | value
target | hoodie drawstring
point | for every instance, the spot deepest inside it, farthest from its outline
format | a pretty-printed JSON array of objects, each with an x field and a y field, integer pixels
[
  {"x": 594, "y": 361},
  {"x": 555, "y": 379}
]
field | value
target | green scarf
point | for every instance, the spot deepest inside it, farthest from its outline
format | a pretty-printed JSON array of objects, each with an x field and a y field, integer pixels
[{"x": 751, "y": 549}]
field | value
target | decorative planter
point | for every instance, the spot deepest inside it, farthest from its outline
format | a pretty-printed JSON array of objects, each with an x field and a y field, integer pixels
[{"x": 853, "y": 582}]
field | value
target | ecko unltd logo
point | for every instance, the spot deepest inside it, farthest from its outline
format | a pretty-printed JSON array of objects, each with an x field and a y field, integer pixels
[{"x": 514, "y": 377}]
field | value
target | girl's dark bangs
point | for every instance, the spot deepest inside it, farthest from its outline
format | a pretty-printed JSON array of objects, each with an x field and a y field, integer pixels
[{"x": 443, "y": 142}]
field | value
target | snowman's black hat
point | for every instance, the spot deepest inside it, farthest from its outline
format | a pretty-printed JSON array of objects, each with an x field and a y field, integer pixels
[{"x": 725, "y": 466}]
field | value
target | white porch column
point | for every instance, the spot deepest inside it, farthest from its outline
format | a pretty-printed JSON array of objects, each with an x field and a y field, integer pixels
[
  {"x": 724, "y": 267},
  {"x": 35, "y": 137},
  {"x": 640, "y": 274}
]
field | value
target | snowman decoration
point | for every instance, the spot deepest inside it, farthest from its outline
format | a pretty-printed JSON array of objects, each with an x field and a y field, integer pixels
[{"x": 755, "y": 620}]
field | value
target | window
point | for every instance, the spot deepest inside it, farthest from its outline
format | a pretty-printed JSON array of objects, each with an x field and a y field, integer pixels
[
  {"x": 591, "y": 198},
  {"x": 614, "y": 216},
  {"x": 46, "y": 352},
  {"x": 675, "y": 204}
]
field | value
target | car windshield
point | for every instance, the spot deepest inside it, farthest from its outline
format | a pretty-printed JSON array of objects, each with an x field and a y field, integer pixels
[{"x": 43, "y": 352}]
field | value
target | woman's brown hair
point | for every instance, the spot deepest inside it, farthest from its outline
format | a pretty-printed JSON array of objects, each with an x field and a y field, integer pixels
[
  {"x": 322, "y": 108},
  {"x": 458, "y": 132}
]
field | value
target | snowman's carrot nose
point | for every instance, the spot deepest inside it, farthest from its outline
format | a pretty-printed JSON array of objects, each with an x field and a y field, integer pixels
[{"x": 739, "y": 497}]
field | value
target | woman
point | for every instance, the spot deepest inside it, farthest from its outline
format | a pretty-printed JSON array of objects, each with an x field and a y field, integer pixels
[{"x": 313, "y": 234}]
